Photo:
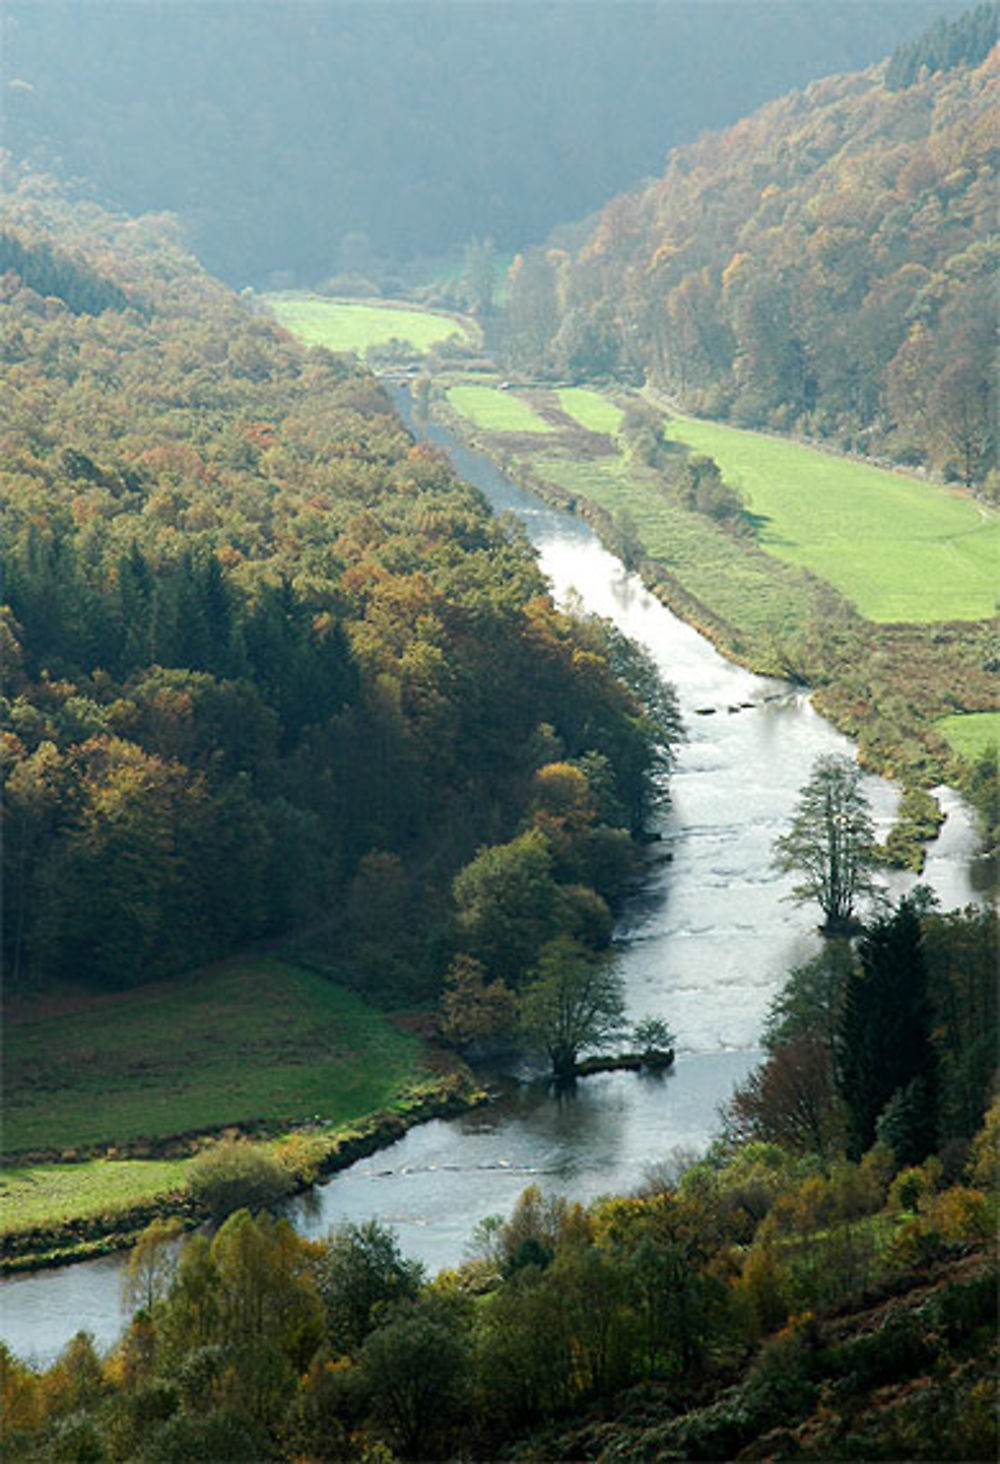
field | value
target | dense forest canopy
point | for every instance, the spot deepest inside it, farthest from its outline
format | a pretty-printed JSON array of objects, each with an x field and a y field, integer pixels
[
  {"x": 826, "y": 265},
  {"x": 266, "y": 661},
  {"x": 312, "y": 137}
]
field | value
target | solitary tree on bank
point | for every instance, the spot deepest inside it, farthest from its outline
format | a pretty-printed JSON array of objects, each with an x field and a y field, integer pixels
[
  {"x": 831, "y": 843},
  {"x": 573, "y": 1001}
]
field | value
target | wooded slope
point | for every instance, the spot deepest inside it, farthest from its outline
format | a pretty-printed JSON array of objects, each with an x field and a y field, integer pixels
[
  {"x": 267, "y": 663},
  {"x": 824, "y": 266}
]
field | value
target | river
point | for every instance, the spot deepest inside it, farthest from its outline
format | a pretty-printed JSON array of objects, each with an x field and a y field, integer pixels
[{"x": 706, "y": 945}]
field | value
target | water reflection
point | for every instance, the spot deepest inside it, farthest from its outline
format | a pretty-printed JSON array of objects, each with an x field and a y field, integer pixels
[{"x": 435, "y": 1184}]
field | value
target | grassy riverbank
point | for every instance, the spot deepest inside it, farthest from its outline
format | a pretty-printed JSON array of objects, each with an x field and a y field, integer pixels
[
  {"x": 109, "y": 1097},
  {"x": 889, "y": 683},
  {"x": 249, "y": 1040},
  {"x": 872, "y": 587},
  {"x": 54, "y": 1213}
]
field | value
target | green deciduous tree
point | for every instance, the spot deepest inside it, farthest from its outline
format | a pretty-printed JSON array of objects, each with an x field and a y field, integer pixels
[
  {"x": 416, "y": 1368},
  {"x": 362, "y": 1275},
  {"x": 505, "y": 900},
  {"x": 233, "y": 1175},
  {"x": 830, "y": 843},
  {"x": 653, "y": 1035},
  {"x": 152, "y": 1264},
  {"x": 479, "y": 275},
  {"x": 573, "y": 1001}
]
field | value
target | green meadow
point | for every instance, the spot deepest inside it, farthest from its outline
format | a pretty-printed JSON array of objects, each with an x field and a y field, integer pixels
[
  {"x": 346, "y": 325},
  {"x": 592, "y": 409},
  {"x": 897, "y": 548},
  {"x": 50, "y": 1194},
  {"x": 248, "y": 1040},
  {"x": 971, "y": 733},
  {"x": 495, "y": 410},
  {"x": 759, "y": 597}
]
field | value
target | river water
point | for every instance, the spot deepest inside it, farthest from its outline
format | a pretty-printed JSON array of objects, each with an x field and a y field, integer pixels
[{"x": 706, "y": 945}]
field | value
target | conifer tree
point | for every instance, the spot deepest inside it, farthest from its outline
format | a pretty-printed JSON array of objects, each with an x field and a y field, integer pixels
[{"x": 885, "y": 1060}]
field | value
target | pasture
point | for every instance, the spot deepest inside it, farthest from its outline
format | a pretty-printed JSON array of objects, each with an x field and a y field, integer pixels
[
  {"x": 348, "y": 325},
  {"x": 592, "y": 409},
  {"x": 971, "y": 733},
  {"x": 247, "y": 1040},
  {"x": 51, "y": 1194},
  {"x": 897, "y": 548},
  {"x": 760, "y": 598},
  {"x": 495, "y": 410}
]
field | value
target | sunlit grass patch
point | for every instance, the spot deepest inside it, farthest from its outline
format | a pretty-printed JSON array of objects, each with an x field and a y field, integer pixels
[
  {"x": 495, "y": 410},
  {"x": 49, "y": 1194},
  {"x": 899, "y": 549},
  {"x": 252, "y": 1039},
  {"x": 971, "y": 733},
  {"x": 592, "y": 409},
  {"x": 758, "y": 596},
  {"x": 344, "y": 325}
]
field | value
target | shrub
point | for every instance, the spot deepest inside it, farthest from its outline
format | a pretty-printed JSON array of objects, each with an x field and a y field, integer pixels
[
  {"x": 913, "y": 1188},
  {"x": 237, "y": 1176}
]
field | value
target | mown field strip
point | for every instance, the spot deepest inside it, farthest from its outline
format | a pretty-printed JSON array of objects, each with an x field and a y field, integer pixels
[
  {"x": 592, "y": 409},
  {"x": 495, "y": 410}
]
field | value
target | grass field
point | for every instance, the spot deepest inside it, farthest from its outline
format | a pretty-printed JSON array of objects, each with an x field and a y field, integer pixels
[
  {"x": 592, "y": 409},
  {"x": 763, "y": 598},
  {"x": 760, "y": 595},
  {"x": 345, "y": 325},
  {"x": 899, "y": 549},
  {"x": 971, "y": 733},
  {"x": 495, "y": 410},
  {"x": 247, "y": 1040},
  {"x": 52, "y": 1193}
]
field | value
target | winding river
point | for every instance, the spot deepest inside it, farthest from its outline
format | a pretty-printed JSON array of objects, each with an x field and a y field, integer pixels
[{"x": 706, "y": 944}]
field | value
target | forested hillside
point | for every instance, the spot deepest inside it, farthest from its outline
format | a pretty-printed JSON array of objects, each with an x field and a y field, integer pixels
[
  {"x": 268, "y": 665},
  {"x": 826, "y": 266},
  {"x": 325, "y": 137}
]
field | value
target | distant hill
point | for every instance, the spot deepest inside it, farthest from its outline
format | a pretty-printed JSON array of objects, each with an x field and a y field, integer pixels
[
  {"x": 322, "y": 136},
  {"x": 826, "y": 265}
]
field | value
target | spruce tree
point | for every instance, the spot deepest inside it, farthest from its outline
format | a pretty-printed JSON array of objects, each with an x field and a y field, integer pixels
[{"x": 884, "y": 1051}]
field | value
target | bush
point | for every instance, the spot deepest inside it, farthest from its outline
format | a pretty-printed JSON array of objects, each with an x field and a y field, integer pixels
[
  {"x": 913, "y": 1188},
  {"x": 237, "y": 1176}
]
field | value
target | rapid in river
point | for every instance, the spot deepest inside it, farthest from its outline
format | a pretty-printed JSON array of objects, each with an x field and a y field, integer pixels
[{"x": 706, "y": 945}]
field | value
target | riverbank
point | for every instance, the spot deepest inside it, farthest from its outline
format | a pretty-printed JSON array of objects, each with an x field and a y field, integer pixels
[
  {"x": 309, "y": 1153},
  {"x": 890, "y": 686},
  {"x": 109, "y": 1097}
]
